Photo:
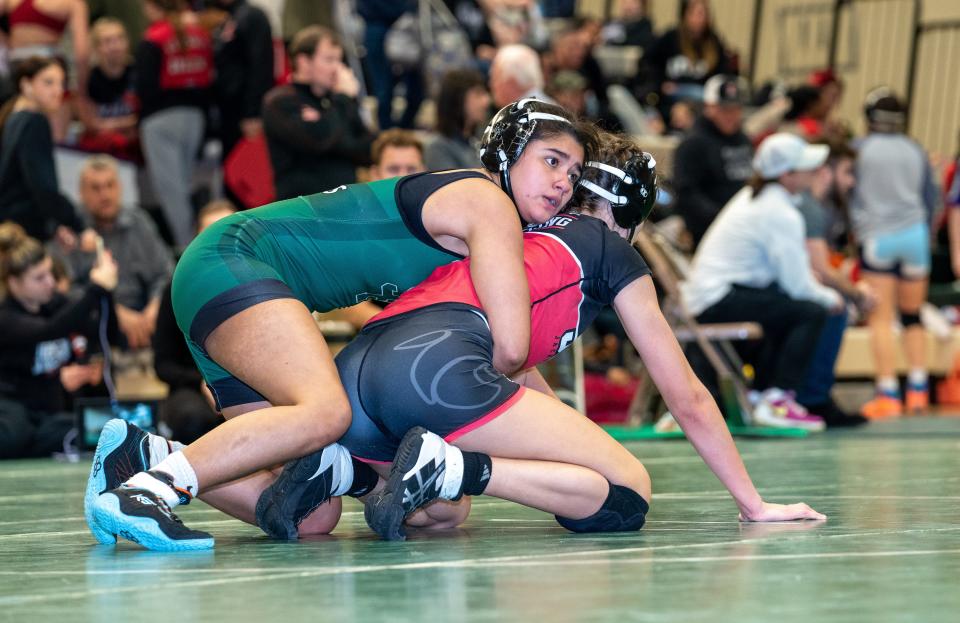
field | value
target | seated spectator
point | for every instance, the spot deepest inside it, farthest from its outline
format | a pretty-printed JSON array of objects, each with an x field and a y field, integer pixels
[
  {"x": 38, "y": 31},
  {"x": 44, "y": 344},
  {"x": 569, "y": 89},
  {"x": 571, "y": 50},
  {"x": 174, "y": 73},
  {"x": 832, "y": 185},
  {"x": 29, "y": 191},
  {"x": 752, "y": 266},
  {"x": 396, "y": 153},
  {"x": 188, "y": 409},
  {"x": 515, "y": 74},
  {"x": 631, "y": 26},
  {"x": 144, "y": 261},
  {"x": 713, "y": 161},
  {"x": 678, "y": 64},
  {"x": 313, "y": 126},
  {"x": 463, "y": 109},
  {"x": 110, "y": 117}
]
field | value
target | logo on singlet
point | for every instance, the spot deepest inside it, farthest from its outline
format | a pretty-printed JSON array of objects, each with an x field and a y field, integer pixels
[
  {"x": 566, "y": 339},
  {"x": 388, "y": 292}
]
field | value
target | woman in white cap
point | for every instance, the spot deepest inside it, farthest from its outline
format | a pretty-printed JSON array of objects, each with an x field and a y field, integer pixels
[{"x": 752, "y": 265}]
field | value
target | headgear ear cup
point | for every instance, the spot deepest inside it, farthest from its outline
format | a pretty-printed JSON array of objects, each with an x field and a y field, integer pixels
[{"x": 631, "y": 189}]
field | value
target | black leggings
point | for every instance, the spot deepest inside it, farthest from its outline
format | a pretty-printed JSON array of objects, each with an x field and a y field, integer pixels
[{"x": 791, "y": 329}]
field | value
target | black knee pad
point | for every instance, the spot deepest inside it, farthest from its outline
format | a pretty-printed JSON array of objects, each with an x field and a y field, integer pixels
[
  {"x": 624, "y": 510},
  {"x": 909, "y": 320}
]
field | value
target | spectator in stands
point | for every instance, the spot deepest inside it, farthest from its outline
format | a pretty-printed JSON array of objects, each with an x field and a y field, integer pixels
[
  {"x": 130, "y": 14},
  {"x": 44, "y": 344},
  {"x": 832, "y": 184},
  {"x": 513, "y": 22},
  {"x": 174, "y": 73},
  {"x": 516, "y": 74},
  {"x": 313, "y": 126},
  {"x": 753, "y": 266},
  {"x": 29, "y": 191},
  {"x": 571, "y": 50},
  {"x": 678, "y": 64},
  {"x": 243, "y": 56},
  {"x": 631, "y": 26},
  {"x": 895, "y": 199},
  {"x": 569, "y": 89},
  {"x": 188, "y": 408},
  {"x": 145, "y": 262},
  {"x": 463, "y": 108},
  {"x": 379, "y": 16},
  {"x": 810, "y": 114},
  {"x": 396, "y": 153},
  {"x": 110, "y": 116},
  {"x": 713, "y": 162},
  {"x": 37, "y": 31}
]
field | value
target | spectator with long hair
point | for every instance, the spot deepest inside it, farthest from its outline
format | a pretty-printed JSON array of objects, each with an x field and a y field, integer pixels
[
  {"x": 680, "y": 62},
  {"x": 36, "y": 29},
  {"x": 174, "y": 73},
  {"x": 29, "y": 191},
  {"x": 44, "y": 343},
  {"x": 463, "y": 106}
]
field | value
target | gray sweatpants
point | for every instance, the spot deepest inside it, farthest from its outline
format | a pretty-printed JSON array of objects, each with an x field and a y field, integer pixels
[{"x": 170, "y": 140}]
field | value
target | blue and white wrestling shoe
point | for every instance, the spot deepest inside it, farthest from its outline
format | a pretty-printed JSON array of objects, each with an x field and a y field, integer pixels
[
  {"x": 416, "y": 479},
  {"x": 123, "y": 450},
  {"x": 141, "y": 516}
]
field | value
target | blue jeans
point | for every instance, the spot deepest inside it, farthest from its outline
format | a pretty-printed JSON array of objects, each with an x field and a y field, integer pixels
[
  {"x": 383, "y": 80},
  {"x": 820, "y": 377}
]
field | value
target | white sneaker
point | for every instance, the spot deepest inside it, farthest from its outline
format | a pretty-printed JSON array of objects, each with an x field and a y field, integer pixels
[{"x": 777, "y": 409}]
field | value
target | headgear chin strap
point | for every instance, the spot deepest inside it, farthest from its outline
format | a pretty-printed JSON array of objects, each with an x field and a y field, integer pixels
[{"x": 633, "y": 191}]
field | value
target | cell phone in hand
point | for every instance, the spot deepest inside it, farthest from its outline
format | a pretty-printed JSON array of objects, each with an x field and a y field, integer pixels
[{"x": 99, "y": 248}]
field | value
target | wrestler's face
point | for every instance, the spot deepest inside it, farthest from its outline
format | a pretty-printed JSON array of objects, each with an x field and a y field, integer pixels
[{"x": 544, "y": 176}]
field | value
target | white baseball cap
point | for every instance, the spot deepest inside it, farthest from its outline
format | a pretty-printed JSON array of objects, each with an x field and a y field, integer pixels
[{"x": 784, "y": 152}]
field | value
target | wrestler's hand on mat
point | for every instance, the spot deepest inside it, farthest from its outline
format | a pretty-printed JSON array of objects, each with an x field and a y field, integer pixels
[{"x": 781, "y": 512}]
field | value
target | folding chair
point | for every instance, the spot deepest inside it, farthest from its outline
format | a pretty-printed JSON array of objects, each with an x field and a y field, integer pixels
[{"x": 669, "y": 267}]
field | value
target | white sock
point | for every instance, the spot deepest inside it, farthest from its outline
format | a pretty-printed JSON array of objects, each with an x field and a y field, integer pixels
[
  {"x": 176, "y": 446},
  {"x": 339, "y": 457},
  {"x": 888, "y": 385},
  {"x": 143, "y": 480},
  {"x": 453, "y": 473},
  {"x": 159, "y": 449},
  {"x": 917, "y": 377},
  {"x": 180, "y": 469}
]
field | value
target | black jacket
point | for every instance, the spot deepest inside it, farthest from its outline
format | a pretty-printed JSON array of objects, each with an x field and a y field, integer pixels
[
  {"x": 29, "y": 193},
  {"x": 709, "y": 169},
  {"x": 315, "y": 143},
  {"x": 33, "y": 347},
  {"x": 243, "y": 55}
]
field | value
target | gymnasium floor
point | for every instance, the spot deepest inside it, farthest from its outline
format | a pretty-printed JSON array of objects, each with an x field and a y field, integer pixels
[{"x": 889, "y": 552}]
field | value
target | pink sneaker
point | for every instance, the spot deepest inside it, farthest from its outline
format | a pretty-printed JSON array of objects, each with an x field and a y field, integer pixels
[{"x": 777, "y": 409}]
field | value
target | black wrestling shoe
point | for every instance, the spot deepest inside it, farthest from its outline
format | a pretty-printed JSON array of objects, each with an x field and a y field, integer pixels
[
  {"x": 416, "y": 479},
  {"x": 835, "y": 417},
  {"x": 303, "y": 485},
  {"x": 140, "y": 516},
  {"x": 122, "y": 451}
]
